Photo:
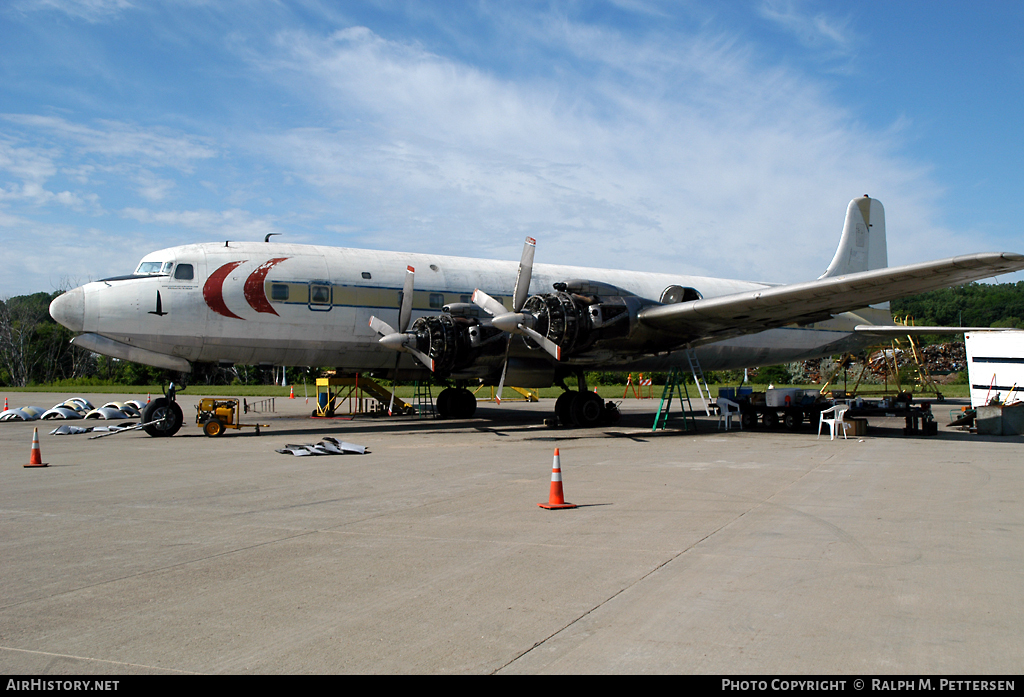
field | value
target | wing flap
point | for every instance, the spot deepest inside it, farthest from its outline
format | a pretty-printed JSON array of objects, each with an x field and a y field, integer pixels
[
  {"x": 776, "y": 306},
  {"x": 898, "y": 330}
]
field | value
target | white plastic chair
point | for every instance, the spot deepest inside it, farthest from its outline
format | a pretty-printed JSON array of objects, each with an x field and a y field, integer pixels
[
  {"x": 726, "y": 409},
  {"x": 836, "y": 422}
]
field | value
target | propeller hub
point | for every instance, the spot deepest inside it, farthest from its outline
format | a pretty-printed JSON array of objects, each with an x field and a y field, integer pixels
[
  {"x": 396, "y": 341},
  {"x": 510, "y": 321}
]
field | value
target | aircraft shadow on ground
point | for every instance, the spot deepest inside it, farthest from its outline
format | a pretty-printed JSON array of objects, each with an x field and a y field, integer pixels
[{"x": 529, "y": 425}]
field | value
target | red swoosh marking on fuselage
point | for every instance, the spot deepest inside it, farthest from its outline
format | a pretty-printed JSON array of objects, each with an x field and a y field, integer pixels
[
  {"x": 255, "y": 293},
  {"x": 213, "y": 291}
]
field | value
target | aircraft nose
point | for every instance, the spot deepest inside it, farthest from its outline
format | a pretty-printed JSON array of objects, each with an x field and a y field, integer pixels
[{"x": 69, "y": 309}]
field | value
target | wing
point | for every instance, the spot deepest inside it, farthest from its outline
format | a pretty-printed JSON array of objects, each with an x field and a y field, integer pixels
[{"x": 713, "y": 319}]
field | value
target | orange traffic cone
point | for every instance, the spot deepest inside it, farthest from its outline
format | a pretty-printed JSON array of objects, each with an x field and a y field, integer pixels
[
  {"x": 149, "y": 396},
  {"x": 5, "y": 403},
  {"x": 556, "y": 499},
  {"x": 292, "y": 394},
  {"x": 36, "y": 458}
]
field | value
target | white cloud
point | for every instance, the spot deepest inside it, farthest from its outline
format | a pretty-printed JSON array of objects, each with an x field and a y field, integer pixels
[
  {"x": 155, "y": 147},
  {"x": 832, "y": 35},
  {"x": 676, "y": 152},
  {"x": 231, "y": 224},
  {"x": 89, "y": 10},
  {"x": 44, "y": 257},
  {"x": 652, "y": 143}
]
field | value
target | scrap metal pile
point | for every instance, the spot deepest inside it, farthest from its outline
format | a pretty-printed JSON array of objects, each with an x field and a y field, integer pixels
[{"x": 942, "y": 361}]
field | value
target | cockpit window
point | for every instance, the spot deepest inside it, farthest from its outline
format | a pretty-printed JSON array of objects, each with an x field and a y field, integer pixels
[
  {"x": 184, "y": 272},
  {"x": 152, "y": 268}
]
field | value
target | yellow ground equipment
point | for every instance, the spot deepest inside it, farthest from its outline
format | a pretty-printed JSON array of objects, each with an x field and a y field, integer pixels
[
  {"x": 215, "y": 415},
  {"x": 329, "y": 399}
]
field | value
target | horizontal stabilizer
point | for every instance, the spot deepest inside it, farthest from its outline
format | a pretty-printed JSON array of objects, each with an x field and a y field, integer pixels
[{"x": 712, "y": 319}]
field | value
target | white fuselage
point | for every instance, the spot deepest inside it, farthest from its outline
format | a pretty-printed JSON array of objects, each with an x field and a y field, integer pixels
[{"x": 285, "y": 304}]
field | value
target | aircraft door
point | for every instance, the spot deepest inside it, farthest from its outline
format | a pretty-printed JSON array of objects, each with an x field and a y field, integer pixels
[{"x": 182, "y": 303}]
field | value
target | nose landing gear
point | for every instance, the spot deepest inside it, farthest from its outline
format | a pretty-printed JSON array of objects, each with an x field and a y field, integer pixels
[{"x": 163, "y": 415}]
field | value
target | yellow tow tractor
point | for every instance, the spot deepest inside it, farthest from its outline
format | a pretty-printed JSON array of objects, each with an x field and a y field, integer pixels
[{"x": 215, "y": 415}]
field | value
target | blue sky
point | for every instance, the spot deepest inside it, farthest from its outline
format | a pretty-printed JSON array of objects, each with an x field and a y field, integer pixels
[{"x": 713, "y": 138}]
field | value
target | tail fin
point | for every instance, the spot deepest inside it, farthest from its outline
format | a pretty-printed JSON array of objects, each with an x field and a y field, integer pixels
[{"x": 862, "y": 246}]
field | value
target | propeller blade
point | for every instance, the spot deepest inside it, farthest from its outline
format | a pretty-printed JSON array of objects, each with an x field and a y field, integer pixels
[
  {"x": 501, "y": 383},
  {"x": 394, "y": 385},
  {"x": 522, "y": 287},
  {"x": 381, "y": 327},
  {"x": 405, "y": 312},
  {"x": 421, "y": 357},
  {"x": 547, "y": 344},
  {"x": 488, "y": 304}
]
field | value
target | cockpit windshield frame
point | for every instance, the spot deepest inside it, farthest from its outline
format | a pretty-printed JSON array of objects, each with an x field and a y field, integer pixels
[{"x": 154, "y": 268}]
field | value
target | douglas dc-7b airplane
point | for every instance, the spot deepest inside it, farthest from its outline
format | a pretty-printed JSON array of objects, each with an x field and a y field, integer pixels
[{"x": 470, "y": 320}]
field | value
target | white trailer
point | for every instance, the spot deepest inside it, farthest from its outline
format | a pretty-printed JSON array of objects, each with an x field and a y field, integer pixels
[{"x": 995, "y": 366}]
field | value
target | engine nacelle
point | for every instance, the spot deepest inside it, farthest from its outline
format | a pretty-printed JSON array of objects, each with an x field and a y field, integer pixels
[
  {"x": 454, "y": 342},
  {"x": 581, "y": 314}
]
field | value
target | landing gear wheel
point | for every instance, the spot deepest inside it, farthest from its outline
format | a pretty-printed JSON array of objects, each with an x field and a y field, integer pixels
[
  {"x": 465, "y": 403},
  {"x": 213, "y": 428},
  {"x": 167, "y": 414},
  {"x": 587, "y": 409},
  {"x": 443, "y": 405},
  {"x": 563, "y": 408},
  {"x": 455, "y": 403}
]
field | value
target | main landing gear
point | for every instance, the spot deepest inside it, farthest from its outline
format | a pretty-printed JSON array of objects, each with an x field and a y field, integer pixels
[
  {"x": 574, "y": 408},
  {"x": 583, "y": 408},
  {"x": 455, "y": 403}
]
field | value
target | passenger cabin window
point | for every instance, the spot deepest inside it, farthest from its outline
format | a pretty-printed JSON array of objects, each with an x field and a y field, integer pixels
[
  {"x": 679, "y": 294},
  {"x": 184, "y": 272},
  {"x": 279, "y": 291},
  {"x": 436, "y": 300},
  {"x": 319, "y": 294},
  {"x": 366, "y": 275}
]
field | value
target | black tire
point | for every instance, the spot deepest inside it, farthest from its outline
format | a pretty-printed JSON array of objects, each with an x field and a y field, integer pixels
[
  {"x": 587, "y": 410},
  {"x": 213, "y": 428},
  {"x": 443, "y": 405},
  {"x": 748, "y": 419},
  {"x": 770, "y": 419},
  {"x": 563, "y": 408},
  {"x": 169, "y": 416},
  {"x": 465, "y": 404},
  {"x": 793, "y": 419}
]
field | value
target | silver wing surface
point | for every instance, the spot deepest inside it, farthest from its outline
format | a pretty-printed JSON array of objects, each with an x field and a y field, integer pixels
[{"x": 712, "y": 319}]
